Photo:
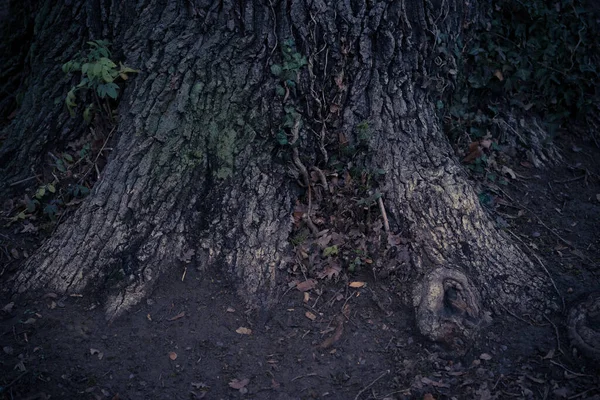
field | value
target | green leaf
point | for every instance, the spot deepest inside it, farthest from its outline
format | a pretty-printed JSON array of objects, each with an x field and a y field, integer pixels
[
  {"x": 67, "y": 157},
  {"x": 30, "y": 206},
  {"x": 330, "y": 251},
  {"x": 107, "y": 62},
  {"x": 106, "y": 76},
  {"x": 112, "y": 90},
  {"x": 97, "y": 69},
  {"x": 101, "y": 90},
  {"x": 60, "y": 166},
  {"x": 67, "y": 67},
  {"x": 88, "y": 113},
  {"x": 282, "y": 138},
  {"x": 280, "y": 90},
  {"x": 51, "y": 188},
  {"x": 276, "y": 69},
  {"x": 126, "y": 70},
  {"x": 40, "y": 192}
]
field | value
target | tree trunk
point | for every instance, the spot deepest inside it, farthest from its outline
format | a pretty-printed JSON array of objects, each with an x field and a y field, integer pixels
[{"x": 194, "y": 169}]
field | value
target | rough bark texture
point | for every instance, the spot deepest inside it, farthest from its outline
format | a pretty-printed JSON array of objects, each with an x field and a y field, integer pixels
[{"x": 193, "y": 167}]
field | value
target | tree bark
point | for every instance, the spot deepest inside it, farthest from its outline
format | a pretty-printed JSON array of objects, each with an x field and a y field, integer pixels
[{"x": 193, "y": 169}]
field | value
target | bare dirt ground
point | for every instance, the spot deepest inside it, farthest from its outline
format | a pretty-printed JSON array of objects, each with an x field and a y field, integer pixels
[{"x": 195, "y": 339}]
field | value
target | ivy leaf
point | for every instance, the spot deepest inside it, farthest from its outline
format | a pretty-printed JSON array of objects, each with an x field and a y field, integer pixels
[
  {"x": 112, "y": 89},
  {"x": 276, "y": 69}
]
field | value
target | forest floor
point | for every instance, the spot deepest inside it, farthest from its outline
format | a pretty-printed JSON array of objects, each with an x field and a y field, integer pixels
[{"x": 193, "y": 338}]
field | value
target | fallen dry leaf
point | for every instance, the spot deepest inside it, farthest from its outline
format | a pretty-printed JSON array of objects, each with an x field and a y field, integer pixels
[
  {"x": 178, "y": 316},
  {"x": 306, "y": 297},
  {"x": 431, "y": 382},
  {"x": 508, "y": 171},
  {"x": 230, "y": 309},
  {"x": 149, "y": 317},
  {"x": 243, "y": 331},
  {"x": 333, "y": 269},
  {"x": 238, "y": 384},
  {"x": 428, "y": 396},
  {"x": 310, "y": 315},
  {"x": 306, "y": 285},
  {"x": 498, "y": 74},
  {"x": 172, "y": 355},
  {"x": 337, "y": 334},
  {"x": 485, "y": 356},
  {"x": 98, "y": 353},
  {"x": 357, "y": 284},
  {"x": 8, "y": 308}
]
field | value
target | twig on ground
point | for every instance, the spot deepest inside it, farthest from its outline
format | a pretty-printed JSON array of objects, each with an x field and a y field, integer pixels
[
  {"x": 515, "y": 316},
  {"x": 569, "y": 371},
  {"x": 583, "y": 393},
  {"x": 386, "y": 224},
  {"x": 557, "y": 335},
  {"x": 15, "y": 380},
  {"x": 371, "y": 384},
  {"x": 24, "y": 180},
  {"x": 305, "y": 376},
  {"x": 543, "y": 266}
]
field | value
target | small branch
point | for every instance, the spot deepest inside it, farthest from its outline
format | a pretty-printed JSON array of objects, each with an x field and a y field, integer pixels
[
  {"x": 24, "y": 180},
  {"x": 543, "y": 266},
  {"x": 386, "y": 224},
  {"x": 371, "y": 384},
  {"x": 322, "y": 178},
  {"x": 556, "y": 332}
]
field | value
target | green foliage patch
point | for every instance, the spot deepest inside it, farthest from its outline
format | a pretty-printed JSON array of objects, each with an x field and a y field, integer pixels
[
  {"x": 535, "y": 55},
  {"x": 98, "y": 74}
]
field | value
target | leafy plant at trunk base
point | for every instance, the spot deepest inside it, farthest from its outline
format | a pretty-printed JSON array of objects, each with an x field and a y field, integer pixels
[{"x": 99, "y": 74}]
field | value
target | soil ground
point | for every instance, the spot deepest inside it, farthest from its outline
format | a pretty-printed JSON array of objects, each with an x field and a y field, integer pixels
[{"x": 332, "y": 342}]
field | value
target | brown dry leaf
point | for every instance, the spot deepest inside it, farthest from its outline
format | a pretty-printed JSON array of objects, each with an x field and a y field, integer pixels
[
  {"x": 486, "y": 144},
  {"x": 549, "y": 355},
  {"x": 508, "y": 171},
  {"x": 149, "y": 317},
  {"x": 230, "y": 309},
  {"x": 428, "y": 396},
  {"x": 306, "y": 285},
  {"x": 238, "y": 384},
  {"x": 498, "y": 74},
  {"x": 536, "y": 380},
  {"x": 186, "y": 257},
  {"x": 244, "y": 331},
  {"x": 310, "y": 315},
  {"x": 474, "y": 152},
  {"x": 357, "y": 284},
  {"x": 431, "y": 382},
  {"x": 178, "y": 316},
  {"x": 172, "y": 355},
  {"x": 97, "y": 352},
  {"x": 339, "y": 329},
  {"x": 306, "y": 297},
  {"x": 485, "y": 356},
  {"x": 332, "y": 270},
  {"x": 346, "y": 311}
]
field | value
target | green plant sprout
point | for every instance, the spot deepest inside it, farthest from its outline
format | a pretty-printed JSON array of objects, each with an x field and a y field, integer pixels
[{"x": 98, "y": 73}]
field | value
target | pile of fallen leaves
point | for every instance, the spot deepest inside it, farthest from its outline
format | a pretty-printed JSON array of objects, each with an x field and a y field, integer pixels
[{"x": 339, "y": 229}]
